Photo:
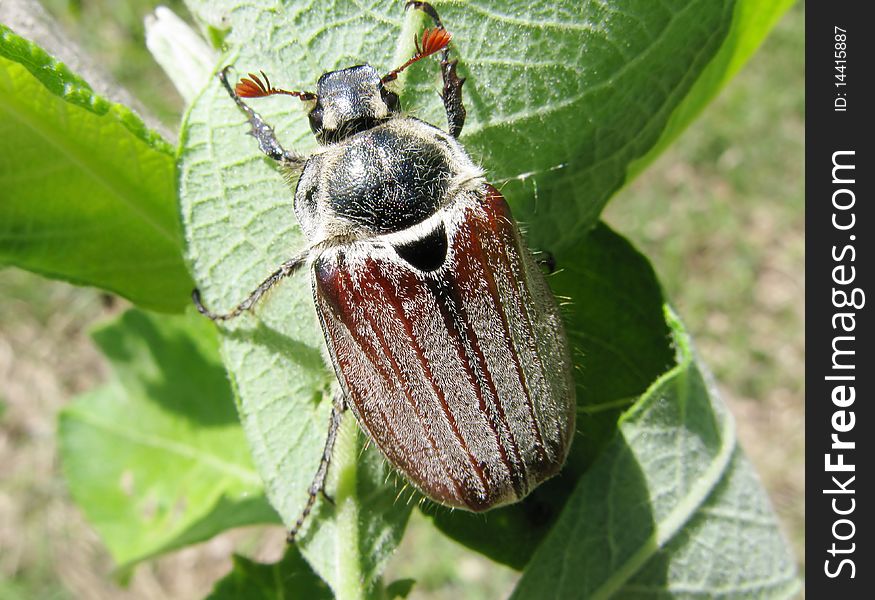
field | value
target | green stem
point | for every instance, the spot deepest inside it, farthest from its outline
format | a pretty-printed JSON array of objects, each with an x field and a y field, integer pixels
[{"x": 349, "y": 578}]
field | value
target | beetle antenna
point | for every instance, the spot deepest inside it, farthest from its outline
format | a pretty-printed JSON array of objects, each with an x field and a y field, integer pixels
[
  {"x": 433, "y": 40},
  {"x": 253, "y": 87}
]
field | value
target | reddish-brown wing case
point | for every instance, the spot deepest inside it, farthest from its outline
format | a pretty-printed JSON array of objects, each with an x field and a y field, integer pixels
[{"x": 461, "y": 375}]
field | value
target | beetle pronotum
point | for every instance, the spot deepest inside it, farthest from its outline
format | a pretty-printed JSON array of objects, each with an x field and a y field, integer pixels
[{"x": 446, "y": 341}]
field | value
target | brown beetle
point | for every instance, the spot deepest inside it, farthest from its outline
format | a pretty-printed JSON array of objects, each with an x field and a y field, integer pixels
[{"x": 442, "y": 331}]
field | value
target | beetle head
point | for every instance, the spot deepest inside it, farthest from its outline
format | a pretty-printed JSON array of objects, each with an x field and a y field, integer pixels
[{"x": 349, "y": 101}]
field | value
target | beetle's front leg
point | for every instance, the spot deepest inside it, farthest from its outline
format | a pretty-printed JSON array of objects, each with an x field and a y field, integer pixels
[
  {"x": 452, "y": 96},
  {"x": 452, "y": 92},
  {"x": 263, "y": 132}
]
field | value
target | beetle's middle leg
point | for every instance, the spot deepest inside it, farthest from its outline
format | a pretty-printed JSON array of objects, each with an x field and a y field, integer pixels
[
  {"x": 287, "y": 268},
  {"x": 452, "y": 92},
  {"x": 263, "y": 132}
]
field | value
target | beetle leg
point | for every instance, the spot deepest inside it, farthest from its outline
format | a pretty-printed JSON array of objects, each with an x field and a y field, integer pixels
[
  {"x": 287, "y": 268},
  {"x": 452, "y": 92},
  {"x": 318, "y": 485},
  {"x": 263, "y": 132},
  {"x": 452, "y": 96}
]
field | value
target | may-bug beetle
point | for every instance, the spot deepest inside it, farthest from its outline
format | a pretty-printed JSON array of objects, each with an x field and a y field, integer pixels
[{"x": 445, "y": 338}]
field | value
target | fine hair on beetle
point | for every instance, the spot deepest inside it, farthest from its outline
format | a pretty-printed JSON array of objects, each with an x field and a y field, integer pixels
[{"x": 446, "y": 341}]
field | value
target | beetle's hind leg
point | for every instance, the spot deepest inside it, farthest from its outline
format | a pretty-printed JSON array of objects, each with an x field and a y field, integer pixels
[
  {"x": 452, "y": 92},
  {"x": 263, "y": 132},
  {"x": 287, "y": 268},
  {"x": 318, "y": 486}
]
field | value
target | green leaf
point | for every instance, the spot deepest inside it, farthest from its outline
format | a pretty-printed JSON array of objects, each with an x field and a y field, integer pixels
[
  {"x": 561, "y": 100},
  {"x": 400, "y": 588},
  {"x": 89, "y": 192},
  {"x": 156, "y": 458},
  {"x": 751, "y": 23},
  {"x": 670, "y": 508},
  {"x": 291, "y": 579}
]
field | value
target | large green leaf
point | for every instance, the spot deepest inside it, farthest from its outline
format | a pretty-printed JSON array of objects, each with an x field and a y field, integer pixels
[
  {"x": 562, "y": 97},
  {"x": 669, "y": 509},
  {"x": 88, "y": 192},
  {"x": 156, "y": 458}
]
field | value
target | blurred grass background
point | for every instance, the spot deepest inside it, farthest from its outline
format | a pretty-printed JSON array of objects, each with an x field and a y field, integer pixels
[{"x": 720, "y": 215}]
